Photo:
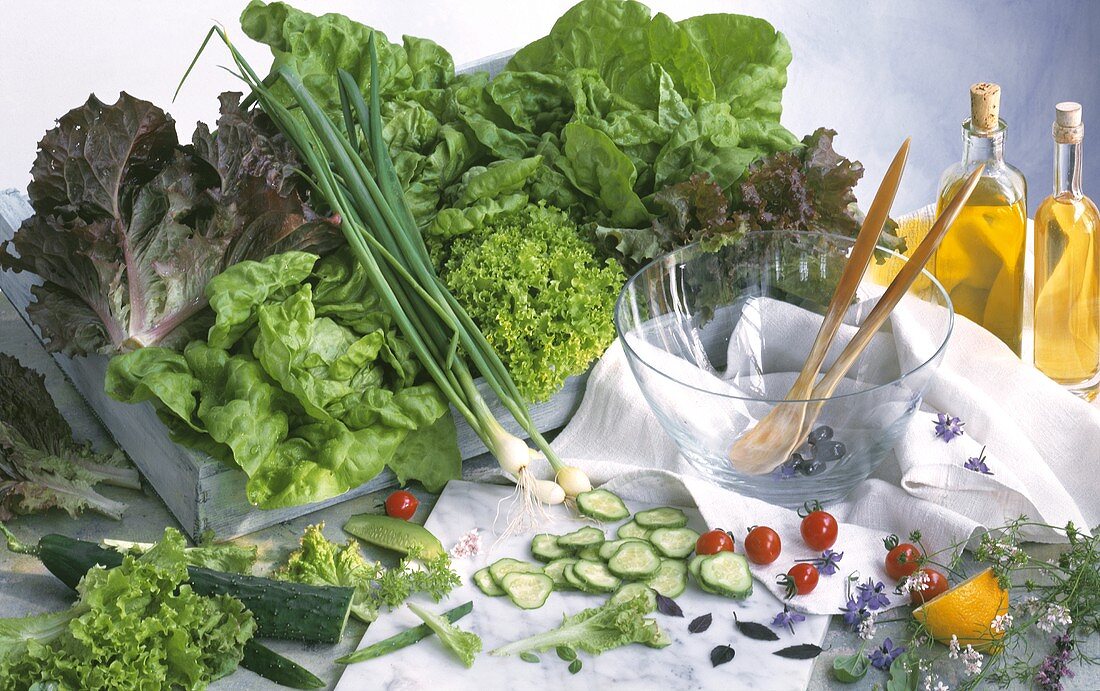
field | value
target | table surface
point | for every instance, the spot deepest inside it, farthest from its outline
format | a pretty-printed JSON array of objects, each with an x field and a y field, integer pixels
[{"x": 26, "y": 588}]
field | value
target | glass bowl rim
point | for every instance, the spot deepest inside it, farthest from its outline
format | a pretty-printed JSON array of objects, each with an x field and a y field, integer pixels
[{"x": 696, "y": 247}]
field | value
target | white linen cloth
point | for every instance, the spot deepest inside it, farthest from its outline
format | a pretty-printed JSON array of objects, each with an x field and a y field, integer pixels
[{"x": 1041, "y": 443}]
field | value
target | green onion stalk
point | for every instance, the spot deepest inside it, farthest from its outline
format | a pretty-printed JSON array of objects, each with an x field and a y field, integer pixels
[{"x": 376, "y": 221}]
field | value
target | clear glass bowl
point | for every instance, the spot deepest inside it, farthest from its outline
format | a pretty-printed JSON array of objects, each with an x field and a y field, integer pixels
[{"x": 716, "y": 338}]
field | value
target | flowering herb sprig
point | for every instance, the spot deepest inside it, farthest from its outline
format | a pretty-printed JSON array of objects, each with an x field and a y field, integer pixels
[
  {"x": 948, "y": 427},
  {"x": 828, "y": 563},
  {"x": 978, "y": 464}
]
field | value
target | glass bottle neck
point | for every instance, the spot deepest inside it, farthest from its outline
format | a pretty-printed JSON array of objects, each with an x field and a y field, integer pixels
[
  {"x": 983, "y": 147},
  {"x": 1067, "y": 169}
]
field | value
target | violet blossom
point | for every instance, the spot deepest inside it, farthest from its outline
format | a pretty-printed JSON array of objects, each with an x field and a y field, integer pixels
[
  {"x": 883, "y": 656},
  {"x": 948, "y": 427}
]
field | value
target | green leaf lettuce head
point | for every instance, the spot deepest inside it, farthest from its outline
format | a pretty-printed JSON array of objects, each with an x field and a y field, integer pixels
[
  {"x": 41, "y": 466},
  {"x": 303, "y": 383},
  {"x": 225, "y": 557},
  {"x": 130, "y": 224},
  {"x": 536, "y": 290},
  {"x": 318, "y": 561},
  {"x": 463, "y": 644},
  {"x": 596, "y": 630},
  {"x": 134, "y": 626}
]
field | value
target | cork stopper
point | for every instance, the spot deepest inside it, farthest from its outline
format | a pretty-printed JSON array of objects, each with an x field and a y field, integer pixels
[
  {"x": 985, "y": 106},
  {"x": 1069, "y": 127}
]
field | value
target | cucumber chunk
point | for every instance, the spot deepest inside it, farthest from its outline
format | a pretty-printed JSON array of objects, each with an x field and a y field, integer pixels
[
  {"x": 527, "y": 590},
  {"x": 664, "y": 517},
  {"x": 629, "y": 591},
  {"x": 545, "y": 547},
  {"x": 608, "y": 549},
  {"x": 556, "y": 571},
  {"x": 579, "y": 539},
  {"x": 601, "y": 505},
  {"x": 393, "y": 533},
  {"x": 676, "y": 543},
  {"x": 502, "y": 567},
  {"x": 635, "y": 561},
  {"x": 632, "y": 530},
  {"x": 671, "y": 579},
  {"x": 595, "y": 576},
  {"x": 727, "y": 574},
  {"x": 485, "y": 583}
]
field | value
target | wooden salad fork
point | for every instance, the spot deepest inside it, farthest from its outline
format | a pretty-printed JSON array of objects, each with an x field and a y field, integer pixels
[
  {"x": 772, "y": 440},
  {"x": 897, "y": 289}
]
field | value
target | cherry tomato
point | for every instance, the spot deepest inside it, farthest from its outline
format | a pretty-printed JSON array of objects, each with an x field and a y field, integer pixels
[
  {"x": 935, "y": 584},
  {"x": 762, "y": 545},
  {"x": 819, "y": 528},
  {"x": 401, "y": 504},
  {"x": 902, "y": 560},
  {"x": 713, "y": 542},
  {"x": 803, "y": 579}
]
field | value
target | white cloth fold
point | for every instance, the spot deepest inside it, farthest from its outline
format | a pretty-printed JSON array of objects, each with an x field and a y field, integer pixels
[{"x": 1041, "y": 443}]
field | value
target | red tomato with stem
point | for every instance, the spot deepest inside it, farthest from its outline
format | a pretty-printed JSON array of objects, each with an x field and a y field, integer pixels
[
  {"x": 902, "y": 560},
  {"x": 401, "y": 504},
  {"x": 801, "y": 579},
  {"x": 933, "y": 583},
  {"x": 762, "y": 545},
  {"x": 713, "y": 542},
  {"x": 819, "y": 528}
]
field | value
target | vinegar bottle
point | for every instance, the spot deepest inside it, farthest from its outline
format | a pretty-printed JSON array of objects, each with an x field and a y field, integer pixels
[
  {"x": 981, "y": 260},
  {"x": 1067, "y": 268}
]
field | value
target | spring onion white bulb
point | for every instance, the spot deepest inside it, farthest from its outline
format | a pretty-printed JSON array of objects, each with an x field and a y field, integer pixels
[
  {"x": 548, "y": 492},
  {"x": 573, "y": 481}
]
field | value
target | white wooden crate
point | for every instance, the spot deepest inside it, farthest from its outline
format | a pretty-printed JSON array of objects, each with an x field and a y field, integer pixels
[{"x": 201, "y": 492}]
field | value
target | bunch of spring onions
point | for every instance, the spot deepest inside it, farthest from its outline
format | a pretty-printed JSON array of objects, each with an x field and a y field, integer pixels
[{"x": 375, "y": 219}]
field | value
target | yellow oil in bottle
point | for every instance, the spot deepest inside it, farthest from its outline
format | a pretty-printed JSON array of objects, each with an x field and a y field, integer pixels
[
  {"x": 1067, "y": 289},
  {"x": 981, "y": 259}
]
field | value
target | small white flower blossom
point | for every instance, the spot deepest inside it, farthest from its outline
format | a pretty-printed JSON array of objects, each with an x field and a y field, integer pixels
[
  {"x": 953, "y": 648},
  {"x": 972, "y": 660},
  {"x": 469, "y": 545},
  {"x": 1001, "y": 623},
  {"x": 1056, "y": 616},
  {"x": 940, "y": 686},
  {"x": 916, "y": 581},
  {"x": 866, "y": 628}
]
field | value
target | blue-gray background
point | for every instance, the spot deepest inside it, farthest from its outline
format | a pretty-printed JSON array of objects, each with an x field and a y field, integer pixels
[{"x": 875, "y": 70}]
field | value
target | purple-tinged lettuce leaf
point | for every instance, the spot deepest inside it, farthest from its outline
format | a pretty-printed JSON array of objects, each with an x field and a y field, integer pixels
[{"x": 129, "y": 225}]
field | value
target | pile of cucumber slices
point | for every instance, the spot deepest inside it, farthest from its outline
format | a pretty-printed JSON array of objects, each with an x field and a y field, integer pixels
[{"x": 648, "y": 557}]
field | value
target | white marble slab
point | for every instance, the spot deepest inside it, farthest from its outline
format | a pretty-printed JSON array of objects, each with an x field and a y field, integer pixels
[{"x": 683, "y": 665}]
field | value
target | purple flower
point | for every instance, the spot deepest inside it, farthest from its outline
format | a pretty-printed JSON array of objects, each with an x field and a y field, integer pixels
[
  {"x": 829, "y": 562},
  {"x": 787, "y": 618},
  {"x": 786, "y": 471},
  {"x": 1055, "y": 666},
  {"x": 947, "y": 427},
  {"x": 977, "y": 464},
  {"x": 871, "y": 595},
  {"x": 853, "y": 612},
  {"x": 885, "y": 654}
]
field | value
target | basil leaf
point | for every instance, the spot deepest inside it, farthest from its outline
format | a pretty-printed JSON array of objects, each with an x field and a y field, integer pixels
[
  {"x": 757, "y": 632},
  {"x": 566, "y": 653},
  {"x": 668, "y": 606},
  {"x": 700, "y": 624},
  {"x": 721, "y": 655},
  {"x": 802, "y": 651},
  {"x": 529, "y": 657},
  {"x": 574, "y": 666}
]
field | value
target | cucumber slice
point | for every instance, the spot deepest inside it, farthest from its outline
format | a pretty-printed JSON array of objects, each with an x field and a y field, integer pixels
[
  {"x": 629, "y": 591},
  {"x": 632, "y": 530},
  {"x": 727, "y": 574},
  {"x": 572, "y": 579},
  {"x": 527, "y": 590},
  {"x": 556, "y": 571},
  {"x": 664, "y": 517},
  {"x": 608, "y": 549},
  {"x": 544, "y": 547},
  {"x": 579, "y": 539},
  {"x": 635, "y": 561},
  {"x": 601, "y": 505},
  {"x": 502, "y": 567},
  {"x": 591, "y": 553},
  {"x": 675, "y": 543},
  {"x": 485, "y": 583},
  {"x": 671, "y": 579},
  {"x": 595, "y": 576}
]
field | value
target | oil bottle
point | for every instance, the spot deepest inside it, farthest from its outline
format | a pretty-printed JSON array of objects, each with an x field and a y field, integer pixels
[
  {"x": 981, "y": 260},
  {"x": 1067, "y": 267}
]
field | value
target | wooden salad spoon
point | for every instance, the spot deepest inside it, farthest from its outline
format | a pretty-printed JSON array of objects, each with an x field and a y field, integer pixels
[
  {"x": 897, "y": 289},
  {"x": 772, "y": 440}
]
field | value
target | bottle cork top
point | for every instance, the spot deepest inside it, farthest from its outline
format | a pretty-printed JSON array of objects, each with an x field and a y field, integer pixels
[
  {"x": 985, "y": 106},
  {"x": 1068, "y": 125}
]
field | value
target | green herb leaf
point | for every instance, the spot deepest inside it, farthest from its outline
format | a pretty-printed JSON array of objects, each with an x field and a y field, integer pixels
[
  {"x": 529, "y": 657},
  {"x": 566, "y": 653},
  {"x": 849, "y": 669},
  {"x": 574, "y": 666}
]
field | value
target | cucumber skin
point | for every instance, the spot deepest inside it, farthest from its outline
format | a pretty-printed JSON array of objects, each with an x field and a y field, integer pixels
[
  {"x": 289, "y": 611},
  {"x": 372, "y": 528},
  {"x": 271, "y": 665}
]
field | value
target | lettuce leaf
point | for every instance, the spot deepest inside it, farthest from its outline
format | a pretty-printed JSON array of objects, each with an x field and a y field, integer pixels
[{"x": 130, "y": 225}]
